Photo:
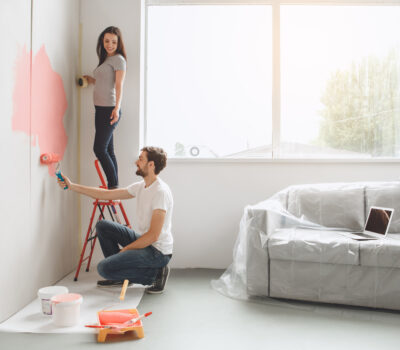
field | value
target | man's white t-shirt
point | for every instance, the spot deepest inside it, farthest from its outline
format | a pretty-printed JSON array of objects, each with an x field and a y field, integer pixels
[{"x": 156, "y": 196}]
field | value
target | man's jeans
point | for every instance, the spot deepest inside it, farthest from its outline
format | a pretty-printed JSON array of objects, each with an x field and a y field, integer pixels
[{"x": 137, "y": 265}]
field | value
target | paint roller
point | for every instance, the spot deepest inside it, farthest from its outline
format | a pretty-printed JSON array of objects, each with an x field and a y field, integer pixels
[
  {"x": 48, "y": 158},
  {"x": 83, "y": 82},
  {"x": 121, "y": 296}
]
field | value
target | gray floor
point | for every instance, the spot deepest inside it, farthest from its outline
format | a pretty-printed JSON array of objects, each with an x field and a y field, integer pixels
[{"x": 190, "y": 315}]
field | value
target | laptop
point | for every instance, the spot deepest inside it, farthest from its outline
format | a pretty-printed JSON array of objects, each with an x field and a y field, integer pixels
[{"x": 376, "y": 227}]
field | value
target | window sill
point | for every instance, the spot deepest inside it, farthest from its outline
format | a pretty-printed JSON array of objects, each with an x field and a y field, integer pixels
[{"x": 284, "y": 160}]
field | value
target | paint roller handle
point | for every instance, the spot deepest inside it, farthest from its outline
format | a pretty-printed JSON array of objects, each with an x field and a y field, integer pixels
[
  {"x": 60, "y": 177},
  {"x": 123, "y": 290}
]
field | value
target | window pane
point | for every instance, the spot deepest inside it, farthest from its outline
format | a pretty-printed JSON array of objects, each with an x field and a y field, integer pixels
[
  {"x": 340, "y": 81},
  {"x": 208, "y": 87}
]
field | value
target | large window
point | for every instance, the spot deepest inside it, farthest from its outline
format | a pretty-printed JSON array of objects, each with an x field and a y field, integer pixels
[
  {"x": 340, "y": 81},
  {"x": 273, "y": 80},
  {"x": 209, "y": 79}
]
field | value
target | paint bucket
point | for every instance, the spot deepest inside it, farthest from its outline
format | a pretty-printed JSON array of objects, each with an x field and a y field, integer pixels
[
  {"x": 66, "y": 309},
  {"x": 46, "y": 293}
]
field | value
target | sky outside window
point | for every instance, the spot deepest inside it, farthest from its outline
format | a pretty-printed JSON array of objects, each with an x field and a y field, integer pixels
[
  {"x": 348, "y": 48},
  {"x": 209, "y": 77}
]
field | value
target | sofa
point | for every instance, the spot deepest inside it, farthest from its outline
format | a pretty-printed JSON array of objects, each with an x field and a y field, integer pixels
[{"x": 290, "y": 246}]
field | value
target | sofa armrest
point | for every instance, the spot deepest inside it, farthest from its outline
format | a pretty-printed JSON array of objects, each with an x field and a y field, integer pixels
[{"x": 257, "y": 259}]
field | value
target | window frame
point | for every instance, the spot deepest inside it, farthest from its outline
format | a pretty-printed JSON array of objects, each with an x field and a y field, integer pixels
[{"x": 276, "y": 73}]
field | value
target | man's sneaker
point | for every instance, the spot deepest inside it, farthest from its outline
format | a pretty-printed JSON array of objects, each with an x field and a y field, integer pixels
[
  {"x": 111, "y": 283},
  {"x": 160, "y": 282}
]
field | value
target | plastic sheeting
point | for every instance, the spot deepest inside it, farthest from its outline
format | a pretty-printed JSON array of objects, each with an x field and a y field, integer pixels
[{"x": 290, "y": 246}]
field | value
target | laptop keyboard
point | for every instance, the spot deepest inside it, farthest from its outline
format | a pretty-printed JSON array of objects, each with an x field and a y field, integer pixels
[
  {"x": 358, "y": 235},
  {"x": 362, "y": 235}
]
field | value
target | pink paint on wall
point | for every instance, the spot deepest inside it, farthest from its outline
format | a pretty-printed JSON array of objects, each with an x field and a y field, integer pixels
[{"x": 48, "y": 104}]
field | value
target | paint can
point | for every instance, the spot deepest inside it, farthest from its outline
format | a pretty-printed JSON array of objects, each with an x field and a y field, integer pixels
[
  {"x": 46, "y": 293},
  {"x": 66, "y": 309}
]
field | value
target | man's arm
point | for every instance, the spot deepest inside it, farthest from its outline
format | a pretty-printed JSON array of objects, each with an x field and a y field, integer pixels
[
  {"x": 95, "y": 192},
  {"x": 101, "y": 193},
  {"x": 148, "y": 238}
]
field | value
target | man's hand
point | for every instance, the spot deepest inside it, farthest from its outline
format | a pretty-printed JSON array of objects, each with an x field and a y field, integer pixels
[
  {"x": 151, "y": 236},
  {"x": 67, "y": 182}
]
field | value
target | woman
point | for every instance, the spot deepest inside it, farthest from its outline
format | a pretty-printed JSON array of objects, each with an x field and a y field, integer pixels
[{"x": 108, "y": 83}]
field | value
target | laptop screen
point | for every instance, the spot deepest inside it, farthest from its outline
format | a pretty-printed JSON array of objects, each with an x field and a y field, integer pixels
[{"x": 378, "y": 220}]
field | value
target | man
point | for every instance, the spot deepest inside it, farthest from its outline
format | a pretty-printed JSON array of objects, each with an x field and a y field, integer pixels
[{"x": 146, "y": 251}]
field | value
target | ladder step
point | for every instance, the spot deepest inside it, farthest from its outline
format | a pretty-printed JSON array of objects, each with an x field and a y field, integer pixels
[{"x": 100, "y": 205}]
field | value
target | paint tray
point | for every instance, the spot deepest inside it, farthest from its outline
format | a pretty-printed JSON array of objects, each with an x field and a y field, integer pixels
[{"x": 116, "y": 319}]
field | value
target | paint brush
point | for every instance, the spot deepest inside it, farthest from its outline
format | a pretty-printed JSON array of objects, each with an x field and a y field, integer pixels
[
  {"x": 134, "y": 320},
  {"x": 97, "y": 326},
  {"x": 119, "y": 325}
]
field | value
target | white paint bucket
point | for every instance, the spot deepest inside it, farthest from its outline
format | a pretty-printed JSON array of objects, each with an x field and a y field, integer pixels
[
  {"x": 46, "y": 293},
  {"x": 66, "y": 309}
]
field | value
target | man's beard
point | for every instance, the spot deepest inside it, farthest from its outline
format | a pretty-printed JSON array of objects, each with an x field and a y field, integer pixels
[{"x": 141, "y": 173}]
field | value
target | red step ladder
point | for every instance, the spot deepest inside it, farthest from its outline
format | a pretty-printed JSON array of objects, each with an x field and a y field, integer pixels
[{"x": 91, "y": 235}]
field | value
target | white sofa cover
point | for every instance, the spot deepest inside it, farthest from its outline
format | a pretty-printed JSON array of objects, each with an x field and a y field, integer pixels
[{"x": 289, "y": 247}]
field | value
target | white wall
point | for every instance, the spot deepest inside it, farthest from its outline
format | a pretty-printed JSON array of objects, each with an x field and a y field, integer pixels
[
  {"x": 54, "y": 217},
  {"x": 96, "y": 15},
  {"x": 209, "y": 196},
  {"x": 15, "y": 169},
  {"x": 39, "y": 233}
]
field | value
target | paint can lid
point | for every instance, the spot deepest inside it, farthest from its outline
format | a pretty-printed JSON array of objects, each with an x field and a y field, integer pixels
[
  {"x": 48, "y": 292},
  {"x": 67, "y": 299}
]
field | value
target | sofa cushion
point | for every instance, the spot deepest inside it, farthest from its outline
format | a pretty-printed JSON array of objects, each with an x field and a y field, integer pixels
[
  {"x": 333, "y": 283},
  {"x": 381, "y": 253},
  {"x": 308, "y": 245},
  {"x": 385, "y": 194},
  {"x": 329, "y": 205}
]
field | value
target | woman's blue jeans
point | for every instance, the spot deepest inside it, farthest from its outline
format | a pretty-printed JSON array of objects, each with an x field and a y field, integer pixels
[
  {"x": 137, "y": 265},
  {"x": 104, "y": 144}
]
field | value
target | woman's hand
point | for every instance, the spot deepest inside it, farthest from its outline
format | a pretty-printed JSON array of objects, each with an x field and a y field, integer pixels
[
  {"x": 90, "y": 79},
  {"x": 114, "y": 116}
]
